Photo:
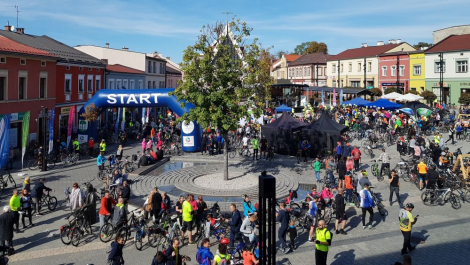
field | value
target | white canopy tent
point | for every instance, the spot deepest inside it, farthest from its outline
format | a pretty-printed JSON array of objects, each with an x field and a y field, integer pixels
[{"x": 393, "y": 95}]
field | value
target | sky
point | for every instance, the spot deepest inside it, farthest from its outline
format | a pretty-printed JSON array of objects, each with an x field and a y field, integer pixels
[{"x": 169, "y": 26}]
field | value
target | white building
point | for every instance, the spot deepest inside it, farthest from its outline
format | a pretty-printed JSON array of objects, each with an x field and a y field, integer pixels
[{"x": 153, "y": 65}]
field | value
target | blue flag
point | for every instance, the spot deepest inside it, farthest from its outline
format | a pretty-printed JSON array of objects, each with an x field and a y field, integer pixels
[
  {"x": 5, "y": 140},
  {"x": 341, "y": 97},
  {"x": 51, "y": 130}
]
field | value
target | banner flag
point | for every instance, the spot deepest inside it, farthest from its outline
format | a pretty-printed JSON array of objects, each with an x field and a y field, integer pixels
[
  {"x": 51, "y": 130},
  {"x": 5, "y": 140},
  {"x": 25, "y": 134},
  {"x": 70, "y": 125}
]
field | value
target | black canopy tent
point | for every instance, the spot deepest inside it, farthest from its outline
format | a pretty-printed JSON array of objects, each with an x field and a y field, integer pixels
[
  {"x": 281, "y": 134},
  {"x": 415, "y": 105},
  {"x": 323, "y": 132}
]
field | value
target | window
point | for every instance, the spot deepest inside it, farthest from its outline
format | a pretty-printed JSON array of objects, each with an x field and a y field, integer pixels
[
  {"x": 154, "y": 67},
  {"x": 43, "y": 63},
  {"x": 154, "y": 84},
  {"x": 416, "y": 69},
  {"x": 97, "y": 69},
  {"x": 359, "y": 67},
  {"x": 149, "y": 66},
  {"x": 132, "y": 86},
  {"x": 355, "y": 83},
  {"x": 125, "y": 83},
  {"x": 333, "y": 68},
  {"x": 462, "y": 66},
  {"x": 141, "y": 84},
  {"x": 80, "y": 68},
  {"x": 149, "y": 85},
  {"x": 162, "y": 68},
  {"x": 401, "y": 70},
  {"x": 320, "y": 71},
  {"x": 68, "y": 83},
  {"x": 81, "y": 84},
  {"x": 309, "y": 71},
  {"x": 90, "y": 69},
  {"x": 118, "y": 84},
  {"x": 111, "y": 84},
  {"x": 23, "y": 61},
  {"x": 393, "y": 70},
  {"x": 42, "y": 87},
  {"x": 350, "y": 67},
  {"x": 97, "y": 83},
  {"x": 384, "y": 70},
  {"x": 3, "y": 59},
  {"x": 3, "y": 83},
  {"x": 305, "y": 70},
  {"x": 437, "y": 68},
  {"x": 369, "y": 66},
  {"x": 22, "y": 87},
  {"x": 67, "y": 67},
  {"x": 341, "y": 68},
  {"x": 89, "y": 85}
]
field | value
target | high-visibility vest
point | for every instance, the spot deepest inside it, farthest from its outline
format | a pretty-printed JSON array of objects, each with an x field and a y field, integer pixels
[{"x": 406, "y": 218}]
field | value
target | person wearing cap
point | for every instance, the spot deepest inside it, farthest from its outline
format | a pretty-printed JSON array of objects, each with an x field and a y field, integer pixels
[
  {"x": 91, "y": 146},
  {"x": 103, "y": 146},
  {"x": 406, "y": 222}
]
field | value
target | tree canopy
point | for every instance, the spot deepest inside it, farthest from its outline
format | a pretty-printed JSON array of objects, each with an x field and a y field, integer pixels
[
  {"x": 421, "y": 45},
  {"x": 311, "y": 47},
  {"x": 390, "y": 90},
  {"x": 376, "y": 91},
  {"x": 464, "y": 99},
  {"x": 429, "y": 96}
]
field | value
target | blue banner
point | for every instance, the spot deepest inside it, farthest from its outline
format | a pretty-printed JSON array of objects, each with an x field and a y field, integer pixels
[
  {"x": 51, "y": 130},
  {"x": 143, "y": 117},
  {"x": 341, "y": 97},
  {"x": 5, "y": 140},
  {"x": 116, "y": 123}
]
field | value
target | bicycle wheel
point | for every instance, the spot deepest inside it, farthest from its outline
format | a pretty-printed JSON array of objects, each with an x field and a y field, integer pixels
[
  {"x": 138, "y": 239},
  {"x": 328, "y": 214},
  {"x": 374, "y": 169},
  {"x": 466, "y": 196},
  {"x": 12, "y": 180},
  {"x": 106, "y": 232},
  {"x": 76, "y": 235},
  {"x": 235, "y": 255},
  {"x": 123, "y": 232},
  {"x": 154, "y": 239},
  {"x": 355, "y": 200},
  {"x": 381, "y": 208},
  {"x": 52, "y": 203},
  {"x": 404, "y": 175},
  {"x": 455, "y": 201},
  {"x": 426, "y": 197},
  {"x": 232, "y": 153},
  {"x": 162, "y": 243},
  {"x": 66, "y": 235},
  {"x": 33, "y": 164},
  {"x": 364, "y": 143},
  {"x": 294, "y": 206}
]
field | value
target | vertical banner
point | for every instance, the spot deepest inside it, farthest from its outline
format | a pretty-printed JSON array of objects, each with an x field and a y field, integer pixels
[
  {"x": 143, "y": 117},
  {"x": 51, "y": 130},
  {"x": 148, "y": 112},
  {"x": 69, "y": 128},
  {"x": 25, "y": 134},
  {"x": 4, "y": 140},
  {"x": 116, "y": 123},
  {"x": 341, "y": 97},
  {"x": 322, "y": 98},
  {"x": 334, "y": 96}
]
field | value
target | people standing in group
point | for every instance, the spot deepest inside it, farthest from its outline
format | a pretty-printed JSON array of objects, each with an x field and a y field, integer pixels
[
  {"x": 264, "y": 147},
  {"x": 126, "y": 193},
  {"x": 385, "y": 158},
  {"x": 348, "y": 179},
  {"x": 422, "y": 170},
  {"x": 15, "y": 204},
  {"x": 76, "y": 147},
  {"x": 406, "y": 223},
  {"x": 179, "y": 211},
  {"x": 255, "y": 144},
  {"x": 222, "y": 257},
  {"x": 106, "y": 208},
  {"x": 349, "y": 164},
  {"x": 364, "y": 179},
  {"x": 312, "y": 215},
  {"x": 339, "y": 152},
  {"x": 292, "y": 234},
  {"x": 248, "y": 229},
  {"x": 341, "y": 217},
  {"x": 148, "y": 206},
  {"x": 347, "y": 150},
  {"x": 7, "y": 221},
  {"x": 248, "y": 207},
  {"x": 91, "y": 147},
  {"x": 394, "y": 182},
  {"x": 172, "y": 253},
  {"x": 27, "y": 184},
  {"x": 100, "y": 161},
  {"x": 37, "y": 193},
  {"x": 248, "y": 257},
  {"x": 144, "y": 146},
  {"x": 204, "y": 255},
  {"x": 451, "y": 133},
  {"x": 341, "y": 172},
  {"x": 367, "y": 205},
  {"x": 200, "y": 212},
  {"x": 25, "y": 201},
  {"x": 283, "y": 218},
  {"x": 75, "y": 197},
  {"x": 322, "y": 243},
  {"x": 316, "y": 168}
]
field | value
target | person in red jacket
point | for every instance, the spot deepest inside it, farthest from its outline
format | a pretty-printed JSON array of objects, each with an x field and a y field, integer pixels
[
  {"x": 107, "y": 203},
  {"x": 91, "y": 146},
  {"x": 356, "y": 154}
]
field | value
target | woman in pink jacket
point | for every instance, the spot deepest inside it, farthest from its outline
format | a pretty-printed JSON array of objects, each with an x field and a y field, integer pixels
[
  {"x": 144, "y": 144},
  {"x": 349, "y": 164}
]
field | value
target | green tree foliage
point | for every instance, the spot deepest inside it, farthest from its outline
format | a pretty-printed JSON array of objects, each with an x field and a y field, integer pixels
[
  {"x": 414, "y": 92},
  {"x": 315, "y": 47},
  {"x": 376, "y": 91},
  {"x": 422, "y": 44},
  {"x": 464, "y": 99},
  {"x": 302, "y": 48},
  {"x": 278, "y": 54},
  {"x": 390, "y": 90},
  {"x": 225, "y": 74},
  {"x": 428, "y": 96}
]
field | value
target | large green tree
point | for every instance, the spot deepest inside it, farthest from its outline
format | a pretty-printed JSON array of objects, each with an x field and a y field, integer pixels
[
  {"x": 464, "y": 99},
  {"x": 302, "y": 48},
  {"x": 311, "y": 47},
  {"x": 226, "y": 73},
  {"x": 421, "y": 44}
]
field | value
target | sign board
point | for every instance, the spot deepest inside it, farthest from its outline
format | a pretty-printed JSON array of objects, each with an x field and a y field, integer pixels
[
  {"x": 65, "y": 110},
  {"x": 392, "y": 84},
  {"x": 370, "y": 87},
  {"x": 187, "y": 128},
  {"x": 82, "y": 138},
  {"x": 82, "y": 125},
  {"x": 188, "y": 141}
]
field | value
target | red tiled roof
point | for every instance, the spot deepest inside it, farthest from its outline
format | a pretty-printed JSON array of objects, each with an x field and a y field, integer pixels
[
  {"x": 292, "y": 57},
  {"x": 312, "y": 58},
  {"x": 123, "y": 69},
  {"x": 8, "y": 45},
  {"x": 363, "y": 52},
  {"x": 451, "y": 43}
]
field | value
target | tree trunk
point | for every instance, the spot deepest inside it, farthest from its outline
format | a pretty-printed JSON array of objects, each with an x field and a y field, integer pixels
[{"x": 225, "y": 135}]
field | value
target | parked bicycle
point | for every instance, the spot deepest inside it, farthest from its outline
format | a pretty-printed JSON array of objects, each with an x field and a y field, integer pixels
[
  {"x": 432, "y": 197},
  {"x": 47, "y": 199},
  {"x": 4, "y": 181}
]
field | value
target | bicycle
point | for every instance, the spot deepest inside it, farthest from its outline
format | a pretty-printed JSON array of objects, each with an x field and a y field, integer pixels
[
  {"x": 71, "y": 158},
  {"x": 375, "y": 170},
  {"x": 378, "y": 203},
  {"x": 80, "y": 228},
  {"x": 4, "y": 181},
  {"x": 161, "y": 240},
  {"x": 141, "y": 232},
  {"x": 34, "y": 164},
  {"x": 432, "y": 197},
  {"x": 47, "y": 199},
  {"x": 236, "y": 253}
]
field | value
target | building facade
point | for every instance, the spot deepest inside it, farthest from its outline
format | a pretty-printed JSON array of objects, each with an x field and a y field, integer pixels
[
  {"x": 351, "y": 67},
  {"x": 455, "y": 52},
  {"x": 27, "y": 83},
  {"x": 417, "y": 69},
  {"x": 308, "y": 69},
  {"x": 394, "y": 71},
  {"x": 279, "y": 68},
  {"x": 439, "y": 35},
  {"x": 153, "y": 66}
]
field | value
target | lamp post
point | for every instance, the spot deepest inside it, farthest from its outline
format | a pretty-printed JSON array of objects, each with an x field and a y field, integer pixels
[
  {"x": 441, "y": 76},
  {"x": 365, "y": 82},
  {"x": 398, "y": 76},
  {"x": 44, "y": 136}
]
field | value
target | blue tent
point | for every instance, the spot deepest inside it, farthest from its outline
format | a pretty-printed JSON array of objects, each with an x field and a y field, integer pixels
[
  {"x": 283, "y": 108},
  {"x": 383, "y": 103},
  {"x": 357, "y": 101}
]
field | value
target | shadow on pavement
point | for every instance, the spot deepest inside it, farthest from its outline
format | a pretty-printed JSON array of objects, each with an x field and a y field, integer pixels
[{"x": 345, "y": 257}]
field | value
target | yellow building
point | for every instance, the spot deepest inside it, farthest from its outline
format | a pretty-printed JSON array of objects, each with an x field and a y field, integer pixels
[{"x": 417, "y": 70}]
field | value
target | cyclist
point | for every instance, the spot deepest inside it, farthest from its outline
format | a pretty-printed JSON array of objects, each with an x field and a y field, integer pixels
[
  {"x": 103, "y": 146},
  {"x": 385, "y": 158},
  {"x": 120, "y": 214},
  {"x": 37, "y": 192},
  {"x": 76, "y": 147},
  {"x": 422, "y": 170},
  {"x": 449, "y": 155},
  {"x": 406, "y": 223},
  {"x": 432, "y": 176},
  {"x": 305, "y": 146},
  {"x": 373, "y": 139},
  {"x": 311, "y": 215},
  {"x": 311, "y": 195},
  {"x": 245, "y": 141},
  {"x": 100, "y": 161},
  {"x": 444, "y": 160},
  {"x": 91, "y": 146},
  {"x": 326, "y": 196}
]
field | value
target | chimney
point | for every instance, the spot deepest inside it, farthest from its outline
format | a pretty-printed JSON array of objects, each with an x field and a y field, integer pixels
[
  {"x": 8, "y": 28},
  {"x": 125, "y": 48},
  {"x": 168, "y": 58},
  {"x": 107, "y": 45},
  {"x": 398, "y": 41},
  {"x": 364, "y": 45},
  {"x": 380, "y": 43},
  {"x": 392, "y": 41},
  {"x": 20, "y": 30}
]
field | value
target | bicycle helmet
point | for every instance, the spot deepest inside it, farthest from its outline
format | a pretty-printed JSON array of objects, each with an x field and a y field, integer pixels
[
  {"x": 410, "y": 205},
  {"x": 446, "y": 149},
  {"x": 227, "y": 241},
  {"x": 443, "y": 153}
]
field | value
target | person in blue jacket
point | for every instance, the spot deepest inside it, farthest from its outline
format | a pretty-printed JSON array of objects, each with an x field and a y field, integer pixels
[
  {"x": 367, "y": 203},
  {"x": 235, "y": 223},
  {"x": 100, "y": 160},
  {"x": 248, "y": 207},
  {"x": 204, "y": 255},
  {"x": 347, "y": 150}
]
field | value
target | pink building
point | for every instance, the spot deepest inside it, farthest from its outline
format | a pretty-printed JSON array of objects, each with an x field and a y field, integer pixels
[{"x": 393, "y": 69}]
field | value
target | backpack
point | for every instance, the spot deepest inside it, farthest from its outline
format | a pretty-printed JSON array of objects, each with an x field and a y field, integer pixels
[
  {"x": 223, "y": 260},
  {"x": 200, "y": 260}
]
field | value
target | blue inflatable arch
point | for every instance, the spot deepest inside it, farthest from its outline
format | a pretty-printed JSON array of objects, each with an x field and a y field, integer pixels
[{"x": 138, "y": 98}]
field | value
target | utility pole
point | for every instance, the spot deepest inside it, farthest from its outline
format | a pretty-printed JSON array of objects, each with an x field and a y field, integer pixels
[
  {"x": 339, "y": 80},
  {"x": 365, "y": 81},
  {"x": 441, "y": 77},
  {"x": 17, "y": 13},
  {"x": 398, "y": 76},
  {"x": 316, "y": 72}
]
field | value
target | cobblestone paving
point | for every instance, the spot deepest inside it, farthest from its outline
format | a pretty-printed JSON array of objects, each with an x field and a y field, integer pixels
[{"x": 443, "y": 233}]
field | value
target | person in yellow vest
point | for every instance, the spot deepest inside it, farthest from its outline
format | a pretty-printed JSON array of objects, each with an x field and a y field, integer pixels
[
  {"x": 437, "y": 139},
  {"x": 103, "y": 146},
  {"x": 76, "y": 146},
  {"x": 322, "y": 243},
  {"x": 406, "y": 223},
  {"x": 15, "y": 204}
]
